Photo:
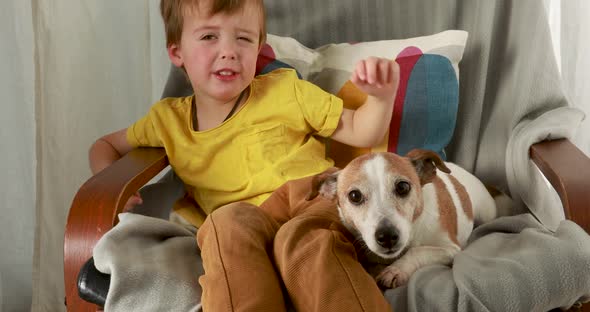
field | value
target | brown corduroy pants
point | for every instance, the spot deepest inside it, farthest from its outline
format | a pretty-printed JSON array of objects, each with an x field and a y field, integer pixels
[{"x": 252, "y": 254}]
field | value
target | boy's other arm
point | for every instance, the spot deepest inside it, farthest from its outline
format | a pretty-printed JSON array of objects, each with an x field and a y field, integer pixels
[
  {"x": 108, "y": 149},
  {"x": 366, "y": 126}
]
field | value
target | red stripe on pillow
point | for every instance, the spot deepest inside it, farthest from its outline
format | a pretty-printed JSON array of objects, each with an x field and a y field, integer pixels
[
  {"x": 265, "y": 57},
  {"x": 406, "y": 60}
]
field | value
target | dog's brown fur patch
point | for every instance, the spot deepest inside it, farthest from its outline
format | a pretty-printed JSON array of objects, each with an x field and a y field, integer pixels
[
  {"x": 446, "y": 209},
  {"x": 493, "y": 191},
  {"x": 463, "y": 197},
  {"x": 406, "y": 170},
  {"x": 351, "y": 175}
]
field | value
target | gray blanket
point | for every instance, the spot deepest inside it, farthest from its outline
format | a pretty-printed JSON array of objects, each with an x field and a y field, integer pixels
[
  {"x": 154, "y": 265},
  {"x": 510, "y": 264}
]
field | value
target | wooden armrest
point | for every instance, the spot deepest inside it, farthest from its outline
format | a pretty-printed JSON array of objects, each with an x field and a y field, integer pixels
[
  {"x": 568, "y": 170},
  {"x": 95, "y": 208}
]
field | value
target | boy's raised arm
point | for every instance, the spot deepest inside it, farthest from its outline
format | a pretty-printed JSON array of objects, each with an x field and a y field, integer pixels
[{"x": 366, "y": 126}]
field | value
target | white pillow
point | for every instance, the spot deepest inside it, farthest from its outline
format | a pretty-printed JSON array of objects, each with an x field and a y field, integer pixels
[{"x": 426, "y": 104}]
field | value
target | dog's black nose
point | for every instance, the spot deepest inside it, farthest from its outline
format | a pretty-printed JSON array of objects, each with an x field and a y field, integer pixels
[{"x": 386, "y": 235}]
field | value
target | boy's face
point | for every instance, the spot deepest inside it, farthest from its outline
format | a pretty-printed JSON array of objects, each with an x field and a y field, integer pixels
[{"x": 219, "y": 52}]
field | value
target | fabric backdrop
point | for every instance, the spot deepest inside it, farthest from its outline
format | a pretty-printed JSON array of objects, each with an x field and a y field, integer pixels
[
  {"x": 570, "y": 25},
  {"x": 100, "y": 65},
  {"x": 17, "y": 160},
  {"x": 72, "y": 70}
]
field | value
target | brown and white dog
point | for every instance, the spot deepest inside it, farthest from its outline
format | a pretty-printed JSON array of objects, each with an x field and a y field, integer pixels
[{"x": 415, "y": 210}]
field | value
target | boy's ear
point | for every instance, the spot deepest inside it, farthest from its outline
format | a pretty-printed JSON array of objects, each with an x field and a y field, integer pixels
[{"x": 174, "y": 55}]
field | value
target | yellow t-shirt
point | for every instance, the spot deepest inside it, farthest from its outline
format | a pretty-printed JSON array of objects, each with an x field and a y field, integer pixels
[{"x": 271, "y": 139}]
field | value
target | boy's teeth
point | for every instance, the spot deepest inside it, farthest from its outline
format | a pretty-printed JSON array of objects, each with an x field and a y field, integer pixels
[{"x": 225, "y": 73}]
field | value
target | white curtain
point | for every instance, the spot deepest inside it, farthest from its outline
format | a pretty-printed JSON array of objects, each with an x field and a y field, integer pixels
[
  {"x": 570, "y": 30},
  {"x": 18, "y": 156},
  {"x": 99, "y": 66},
  {"x": 72, "y": 70}
]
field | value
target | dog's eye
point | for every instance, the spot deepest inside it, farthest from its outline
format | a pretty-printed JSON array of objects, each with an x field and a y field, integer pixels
[
  {"x": 355, "y": 197},
  {"x": 402, "y": 188}
]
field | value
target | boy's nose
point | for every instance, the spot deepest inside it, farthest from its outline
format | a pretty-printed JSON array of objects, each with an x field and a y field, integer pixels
[{"x": 228, "y": 51}]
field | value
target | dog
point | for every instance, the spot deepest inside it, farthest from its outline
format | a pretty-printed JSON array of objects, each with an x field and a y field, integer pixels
[{"x": 412, "y": 211}]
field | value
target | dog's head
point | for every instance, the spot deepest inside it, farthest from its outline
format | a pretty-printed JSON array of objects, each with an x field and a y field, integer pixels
[{"x": 379, "y": 196}]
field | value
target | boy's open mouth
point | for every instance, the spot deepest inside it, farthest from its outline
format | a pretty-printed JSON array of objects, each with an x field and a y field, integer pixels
[{"x": 226, "y": 74}]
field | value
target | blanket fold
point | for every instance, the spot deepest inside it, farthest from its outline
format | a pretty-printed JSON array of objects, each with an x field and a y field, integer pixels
[
  {"x": 154, "y": 265},
  {"x": 511, "y": 264}
]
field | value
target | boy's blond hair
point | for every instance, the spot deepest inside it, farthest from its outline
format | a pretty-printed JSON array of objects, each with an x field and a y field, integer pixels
[{"x": 174, "y": 11}]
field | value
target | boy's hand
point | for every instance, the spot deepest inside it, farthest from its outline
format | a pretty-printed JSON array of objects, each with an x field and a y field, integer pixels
[
  {"x": 378, "y": 77},
  {"x": 134, "y": 200},
  {"x": 366, "y": 126}
]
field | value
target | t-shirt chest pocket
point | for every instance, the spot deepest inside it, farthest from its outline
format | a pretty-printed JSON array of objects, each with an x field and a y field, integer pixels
[{"x": 263, "y": 147}]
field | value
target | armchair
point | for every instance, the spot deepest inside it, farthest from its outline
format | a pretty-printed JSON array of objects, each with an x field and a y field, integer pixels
[{"x": 503, "y": 65}]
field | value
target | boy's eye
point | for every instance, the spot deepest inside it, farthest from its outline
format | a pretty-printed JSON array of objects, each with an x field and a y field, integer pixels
[
  {"x": 245, "y": 38},
  {"x": 208, "y": 37}
]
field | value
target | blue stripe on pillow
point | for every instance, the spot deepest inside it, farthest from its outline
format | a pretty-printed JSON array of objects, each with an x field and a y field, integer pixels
[
  {"x": 430, "y": 106},
  {"x": 276, "y": 64}
]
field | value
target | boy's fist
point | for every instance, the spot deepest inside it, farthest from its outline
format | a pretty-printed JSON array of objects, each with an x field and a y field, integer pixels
[{"x": 378, "y": 77}]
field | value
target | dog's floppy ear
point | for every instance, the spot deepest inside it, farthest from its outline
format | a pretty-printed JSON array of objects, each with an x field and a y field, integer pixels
[
  {"x": 324, "y": 184},
  {"x": 426, "y": 162}
]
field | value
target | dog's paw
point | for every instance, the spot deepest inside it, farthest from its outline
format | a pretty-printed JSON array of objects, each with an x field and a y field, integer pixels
[{"x": 392, "y": 277}]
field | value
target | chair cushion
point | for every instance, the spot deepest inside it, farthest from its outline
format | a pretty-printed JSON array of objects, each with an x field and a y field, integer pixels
[
  {"x": 93, "y": 285},
  {"x": 425, "y": 109}
]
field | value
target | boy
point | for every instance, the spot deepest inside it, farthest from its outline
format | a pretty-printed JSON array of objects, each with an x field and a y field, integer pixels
[{"x": 238, "y": 140}]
